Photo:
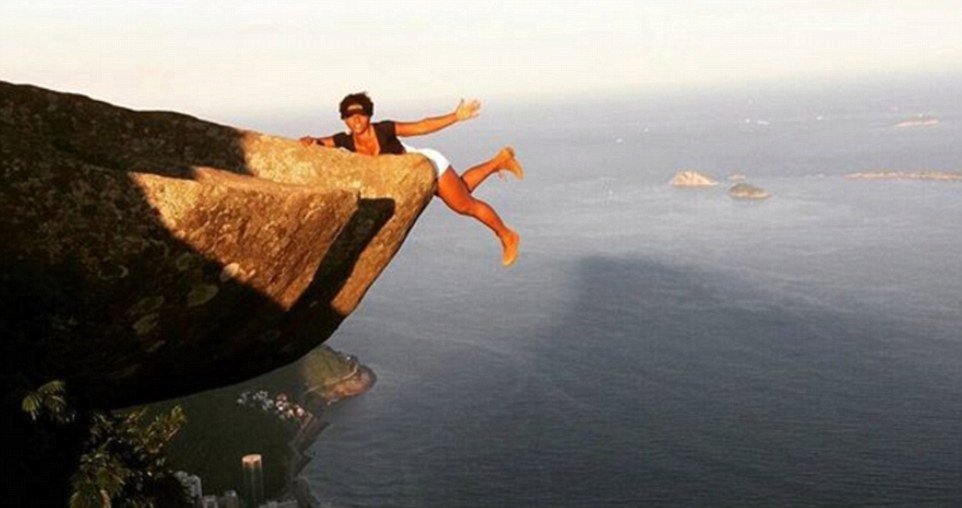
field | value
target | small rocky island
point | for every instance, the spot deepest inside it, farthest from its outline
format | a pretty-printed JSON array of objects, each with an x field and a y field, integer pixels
[
  {"x": 692, "y": 178},
  {"x": 748, "y": 191},
  {"x": 906, "y": 175},
  {"x": 736, "y": 177}
]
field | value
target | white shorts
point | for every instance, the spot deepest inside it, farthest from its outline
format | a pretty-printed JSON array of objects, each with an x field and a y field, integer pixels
[{"x": 439, "y": 161}]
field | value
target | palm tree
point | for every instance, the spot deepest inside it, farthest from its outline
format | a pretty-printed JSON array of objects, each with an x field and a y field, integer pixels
[
  {"x": 49, "y": 399},
  {"x": 123, "y": 462}
]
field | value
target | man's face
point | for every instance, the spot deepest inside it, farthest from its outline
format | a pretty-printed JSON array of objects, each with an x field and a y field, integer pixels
[
  {"x": 357, "y": 122},
  {"x": 356, "y": 118}
]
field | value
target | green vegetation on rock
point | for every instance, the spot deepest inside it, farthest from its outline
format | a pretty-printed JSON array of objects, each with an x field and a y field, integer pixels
[
  {"x": 324, "y": 367},
  {"x": 116, "y": 459}
]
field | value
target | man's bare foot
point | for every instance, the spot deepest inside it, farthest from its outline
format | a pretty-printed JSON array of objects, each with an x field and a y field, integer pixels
[
  {"x": 510, "y": 243},
  {"x": 507, "y": 162}
]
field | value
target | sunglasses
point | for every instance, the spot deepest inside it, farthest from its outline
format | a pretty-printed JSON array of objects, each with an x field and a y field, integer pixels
[{"x": 354, "y": 110}]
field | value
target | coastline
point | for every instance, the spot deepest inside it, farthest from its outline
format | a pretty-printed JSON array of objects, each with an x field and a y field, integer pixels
[
  {"x": 317, "y": 400},
  {"x": 278, "y": 415},
  {"x": 358, "y": 382},
  {"x": 906, "y": 175}
]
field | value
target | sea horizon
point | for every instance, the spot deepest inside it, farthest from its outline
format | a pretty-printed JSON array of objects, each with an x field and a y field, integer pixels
[{"x": 673, "y": 347}]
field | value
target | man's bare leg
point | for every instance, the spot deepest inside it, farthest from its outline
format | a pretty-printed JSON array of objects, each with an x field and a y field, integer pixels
[
  {"x": 454, "y": 192},
  {"x": 504, "y": 160}
]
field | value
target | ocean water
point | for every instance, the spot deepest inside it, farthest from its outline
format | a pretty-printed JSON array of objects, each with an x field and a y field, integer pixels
[{"x": 656, "y": 346}]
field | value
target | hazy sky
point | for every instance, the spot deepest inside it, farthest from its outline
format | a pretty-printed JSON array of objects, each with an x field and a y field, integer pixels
[{"x": 212, "y": 58}]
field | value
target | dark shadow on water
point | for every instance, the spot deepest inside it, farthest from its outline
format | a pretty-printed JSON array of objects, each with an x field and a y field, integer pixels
[{"x": 664, "y": 385}]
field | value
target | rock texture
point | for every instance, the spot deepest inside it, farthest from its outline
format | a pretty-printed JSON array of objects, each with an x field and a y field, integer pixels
[
  {"x": 748, "y": 191},
  {"x": 691, "y": 178},
  {"x": 147, "y": 255}
]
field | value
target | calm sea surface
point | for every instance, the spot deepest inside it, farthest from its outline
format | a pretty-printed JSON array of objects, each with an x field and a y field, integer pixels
[{"x": 657, "y": 346}]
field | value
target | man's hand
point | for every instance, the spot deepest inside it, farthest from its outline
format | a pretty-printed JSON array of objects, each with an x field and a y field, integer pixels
[
  {"x": 467, "y": 111},
  {"x": 307, "y": 141}
]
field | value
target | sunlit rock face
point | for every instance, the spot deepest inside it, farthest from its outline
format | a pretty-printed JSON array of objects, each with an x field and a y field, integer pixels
[
  {"x": 690, "y": 178},
  {"x": 151, "y": 254}
]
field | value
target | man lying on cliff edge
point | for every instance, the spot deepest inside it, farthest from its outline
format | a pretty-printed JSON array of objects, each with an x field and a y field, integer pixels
[{"x": 455, "y": 190}]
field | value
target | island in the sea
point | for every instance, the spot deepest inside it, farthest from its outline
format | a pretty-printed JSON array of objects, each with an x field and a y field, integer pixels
[
  {"x": 918, "y": 121},
  {"x": 748, "y": 191},
  {"x": 906, "y": 175},
  {"x": 692, "y": 178}
]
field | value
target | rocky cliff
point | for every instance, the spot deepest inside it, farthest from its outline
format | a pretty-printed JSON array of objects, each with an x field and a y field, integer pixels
[{"x": 147, "y": 255}]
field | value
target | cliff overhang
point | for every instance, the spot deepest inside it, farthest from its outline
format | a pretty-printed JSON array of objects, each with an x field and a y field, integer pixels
[{"x": 148, "y": 255}]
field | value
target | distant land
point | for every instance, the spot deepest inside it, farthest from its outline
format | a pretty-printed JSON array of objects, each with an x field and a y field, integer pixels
[
  {"x": 918, "y": 121},
  {"x": 906, "y": 175}
]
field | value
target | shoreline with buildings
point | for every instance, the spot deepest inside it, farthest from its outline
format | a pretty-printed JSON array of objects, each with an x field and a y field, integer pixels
[
  {"x": 273, "y": 421},
  {"x": 317, "y": 400}
]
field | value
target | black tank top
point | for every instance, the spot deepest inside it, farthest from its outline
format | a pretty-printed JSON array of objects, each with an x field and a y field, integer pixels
[{"x": 386, "y": 138}]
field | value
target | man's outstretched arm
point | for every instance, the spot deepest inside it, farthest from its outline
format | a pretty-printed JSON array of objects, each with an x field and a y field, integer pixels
[{"x": 464, "y": 111}]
